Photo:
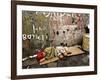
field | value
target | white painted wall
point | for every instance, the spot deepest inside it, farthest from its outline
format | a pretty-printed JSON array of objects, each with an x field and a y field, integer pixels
[{"x": 5, "y": 54}]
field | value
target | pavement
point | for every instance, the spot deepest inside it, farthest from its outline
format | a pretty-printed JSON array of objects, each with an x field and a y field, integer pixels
[{"x": 77, "y": 60}]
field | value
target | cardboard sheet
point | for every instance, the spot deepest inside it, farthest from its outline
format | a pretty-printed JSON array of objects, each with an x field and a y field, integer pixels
[{"x": 74, "y": 51}]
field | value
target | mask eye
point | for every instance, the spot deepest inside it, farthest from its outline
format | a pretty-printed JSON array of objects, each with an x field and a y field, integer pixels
[
  {"x": 57, "y": 32},
  {"x": 67, "y": 29},
  {"x": 62, "y": 44},
  {"x": 66, "y": 44},
  {"x": 64, "y": 32}
]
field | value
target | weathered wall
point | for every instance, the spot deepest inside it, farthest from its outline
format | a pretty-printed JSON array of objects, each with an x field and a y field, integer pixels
[
  {"x": 54, "y": 28},
  {"x": 69, "y": 36}
]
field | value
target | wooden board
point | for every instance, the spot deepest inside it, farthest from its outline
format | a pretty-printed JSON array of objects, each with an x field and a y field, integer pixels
[
  {"x": 73, "y": 50},
  {"x": 50, "y": 60}
]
